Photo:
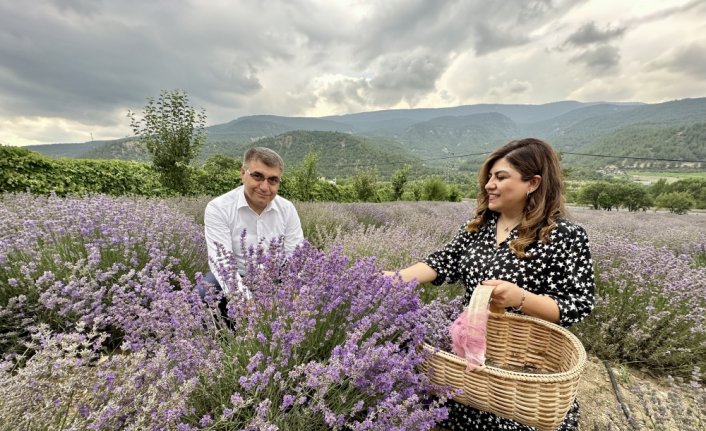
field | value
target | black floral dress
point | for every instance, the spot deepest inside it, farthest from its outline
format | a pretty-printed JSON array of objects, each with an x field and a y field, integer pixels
[{"x": 561, "y": 269}]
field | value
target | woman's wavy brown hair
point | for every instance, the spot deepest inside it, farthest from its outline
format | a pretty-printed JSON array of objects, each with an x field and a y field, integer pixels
[{"x": 544, "y": 206}]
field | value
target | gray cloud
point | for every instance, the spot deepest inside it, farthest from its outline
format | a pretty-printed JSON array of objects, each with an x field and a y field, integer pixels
[
  {"x": 590, "y": 34},
  {"x": 687, "y": 60},
  {"x": 406, "y": 79},
  {"x": 694, "y": 6},
  {"x": 89, "y": 61},
  {"x": 602, "y": 58}
]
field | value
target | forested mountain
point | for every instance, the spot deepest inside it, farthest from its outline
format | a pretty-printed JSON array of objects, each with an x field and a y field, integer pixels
[
  {"x": 458, "y": 135},
  {"x": 649, "y": 141},
  {"x": 441, "y": 136},
  {"x": 340, "y": 154}
]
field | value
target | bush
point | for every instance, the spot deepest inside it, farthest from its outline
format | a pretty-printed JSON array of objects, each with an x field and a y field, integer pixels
[
  {"x": 648, "y": 308},
  {"x": 675, "y": 202},
  {"x": 24, "y": 170},
  {"x": 218, "y": 175},
  {"x": 323, "y": 344},
  {"x": 365, "y": 185},
  {"x": 65, "y": 260},
  {"x": 434, "y": 189}
]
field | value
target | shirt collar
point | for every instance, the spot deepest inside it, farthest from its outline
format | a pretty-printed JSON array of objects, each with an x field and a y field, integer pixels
[{"x": 243, "y": 203}]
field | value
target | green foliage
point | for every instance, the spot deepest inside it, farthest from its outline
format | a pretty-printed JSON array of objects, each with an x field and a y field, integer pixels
[
  {"x": 218, "y": 175},
  {"x": 588, "y": 195},
  {"x": 695, "y": 187},
  {"x": 614, "y": 195},
  {"x": 607, "y": 201},
  {"x": 399, "y": 179},
  {"x": 652, "y": 141},
  {"x": 414, "y": 191},
  {"x": 454, "y": 193},
  {"x": 341, "y": 155},
  {"x": 23, "y": 170},
  {"x": 364, "y": 184},
  {"x": 304, "y": 178},
  {"x": 675, "y": 202},
  {"x": 434, "y": 189},
  {"x": 172, "y": 131},
  {"x": 659, "y": 187}
]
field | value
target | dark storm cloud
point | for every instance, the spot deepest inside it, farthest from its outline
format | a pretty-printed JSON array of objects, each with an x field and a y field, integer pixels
[
  {"x": 85, "y": 58},
  {"x": 89, "y": 61},
  {"x": 81, "y": 61},
  {"x": 452, "y": 25},
  {"x": 397, "y": 40},
  {"x": 401, "y": 78}
]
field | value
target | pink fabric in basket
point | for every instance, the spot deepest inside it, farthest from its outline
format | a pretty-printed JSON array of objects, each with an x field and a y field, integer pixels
[{"x": 468, "y": 334}]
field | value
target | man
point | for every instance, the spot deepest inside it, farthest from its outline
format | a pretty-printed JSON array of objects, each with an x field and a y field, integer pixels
[{"x": 254, "y": 208}]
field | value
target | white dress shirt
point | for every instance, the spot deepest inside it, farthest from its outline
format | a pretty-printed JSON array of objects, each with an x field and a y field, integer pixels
[{"x": 227, "y": 215}]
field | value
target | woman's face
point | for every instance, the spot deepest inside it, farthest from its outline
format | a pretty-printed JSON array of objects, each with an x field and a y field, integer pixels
[{"x": 507, "y": 191}]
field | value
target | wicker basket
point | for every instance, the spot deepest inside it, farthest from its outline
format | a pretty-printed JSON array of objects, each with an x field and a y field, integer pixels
[{"x": 513, "y": 341}]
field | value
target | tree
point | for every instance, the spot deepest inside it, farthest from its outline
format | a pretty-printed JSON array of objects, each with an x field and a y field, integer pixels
[
  {"x": 434, "y": 189},
  {"x": 659, "y": 187},
  {"x": 399, "y": 179},
  {"x": 675, "y": 202},
  {"x": 606, "y": 200},
  {"x": 172, "y": 131},
  {"x": 364, "y": 184},
  {"x": 454, "y": 193},
  {"x": 304, "y": 178},
  {"x": 635, "y": 197},
  {"x": 588, "y": 195}
]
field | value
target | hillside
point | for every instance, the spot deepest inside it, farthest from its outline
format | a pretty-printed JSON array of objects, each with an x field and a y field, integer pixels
[
  {"x": 441, "y": 136},
  {"x": 340, "y": 154},
  {"x": 649, "y": 141}
]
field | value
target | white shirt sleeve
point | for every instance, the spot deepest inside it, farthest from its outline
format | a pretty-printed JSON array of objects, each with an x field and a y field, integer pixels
[
  {"x": 217, "y": 231},
  {"x": 293, "y": 232}
]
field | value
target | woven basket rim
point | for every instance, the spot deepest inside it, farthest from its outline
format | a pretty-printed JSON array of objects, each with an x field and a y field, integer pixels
[{"x": 575, "y": 371}]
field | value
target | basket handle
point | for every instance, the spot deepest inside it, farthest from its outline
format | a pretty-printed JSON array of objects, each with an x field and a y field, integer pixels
[{"x": 480, "y": 300}]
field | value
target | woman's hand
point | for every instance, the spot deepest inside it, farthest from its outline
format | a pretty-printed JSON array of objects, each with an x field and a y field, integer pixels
[{"x": 505, "y": 294}]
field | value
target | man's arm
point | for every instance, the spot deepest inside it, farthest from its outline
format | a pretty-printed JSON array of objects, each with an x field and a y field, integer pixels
[
  {"x": 217, "y": 231},
  {"x": 293, "y": 234}
]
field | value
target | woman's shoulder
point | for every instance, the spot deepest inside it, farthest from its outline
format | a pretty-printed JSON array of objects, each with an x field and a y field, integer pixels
[{"x": 568, "y": 229}]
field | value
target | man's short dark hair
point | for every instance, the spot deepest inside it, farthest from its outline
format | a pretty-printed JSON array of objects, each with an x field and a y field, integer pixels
[{"x": 265, "y": 155}]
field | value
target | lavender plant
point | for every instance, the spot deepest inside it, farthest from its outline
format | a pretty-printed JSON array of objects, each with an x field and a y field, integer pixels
[
  {"x": 651, "y": 290},
  {"x": 64, "y": 260},
  {"x": 322, "y": 344},
  {"x": 325, "y": 343},
  {"x": 119, "y": 267},
  {"x": 650, "y": 308}
]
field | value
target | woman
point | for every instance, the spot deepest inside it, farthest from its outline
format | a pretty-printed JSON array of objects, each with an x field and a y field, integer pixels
[{"x": 519, "y": 242}]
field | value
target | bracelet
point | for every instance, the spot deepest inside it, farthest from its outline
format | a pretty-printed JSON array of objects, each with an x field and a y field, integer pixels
[{"x": 522, "y": 301}]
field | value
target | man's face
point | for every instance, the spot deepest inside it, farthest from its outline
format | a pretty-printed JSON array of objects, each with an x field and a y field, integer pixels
[{"x": 260, "y": 184}]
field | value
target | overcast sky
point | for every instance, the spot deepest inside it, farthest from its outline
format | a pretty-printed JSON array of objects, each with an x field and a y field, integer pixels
[{"x": 71, "y": 69}]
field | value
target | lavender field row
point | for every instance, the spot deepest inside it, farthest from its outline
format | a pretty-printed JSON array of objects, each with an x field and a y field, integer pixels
[{"x": 101, "y": 326}]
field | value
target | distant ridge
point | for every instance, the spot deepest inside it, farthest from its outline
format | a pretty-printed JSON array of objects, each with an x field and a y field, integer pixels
[{"x": 432, "y": 133}]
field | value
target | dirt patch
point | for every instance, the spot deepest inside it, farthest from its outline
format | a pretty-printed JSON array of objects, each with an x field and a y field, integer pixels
[{"x": 652, "y": 404}]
